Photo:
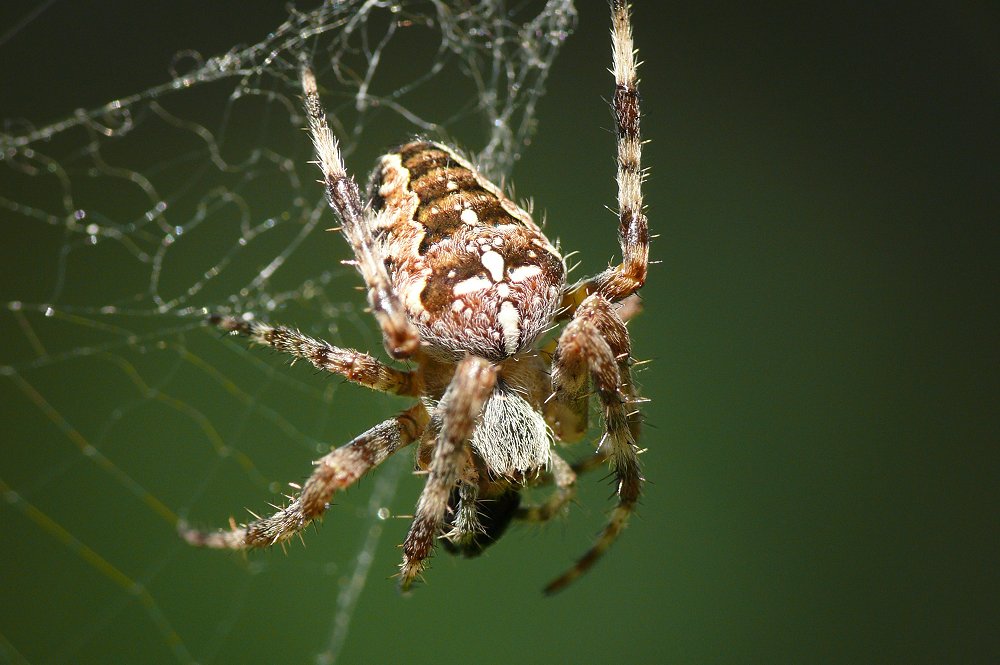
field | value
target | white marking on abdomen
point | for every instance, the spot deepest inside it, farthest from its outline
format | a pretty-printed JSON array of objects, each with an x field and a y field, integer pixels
[
  {"x": 510, "y": 322},
  {"x": 522, "y": 273},
  {"x": 392, "y": 166},
  {"x": 471, "y": 285},
  {"x": 494, "y": 263}
]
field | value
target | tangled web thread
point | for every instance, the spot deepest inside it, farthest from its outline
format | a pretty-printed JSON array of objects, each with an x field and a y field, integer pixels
[{"x": 196, "y": 196}]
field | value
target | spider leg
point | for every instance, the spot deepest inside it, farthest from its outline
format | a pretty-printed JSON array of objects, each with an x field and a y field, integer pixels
[
  {"x": 467, "y": 526},
  {"x": 565, "y": 480},
  {"x": 353, "y": 365},
  {"x": 596, "y": 343},
  {"x": 337, "y": 470},
  {"x": 629, "y": 308},
  {"x": 459, "y": 409},
  {"x": 401, "y": 339},
  {"x": 591, "y": 462},
  {"x": 567, "y": 411},
  {"x": 479, "y": 512},
  {"x": 624, "y": 279}
]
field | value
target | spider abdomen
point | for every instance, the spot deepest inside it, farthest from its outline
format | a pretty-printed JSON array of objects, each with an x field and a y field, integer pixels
[{"x": 475, "y": 272}]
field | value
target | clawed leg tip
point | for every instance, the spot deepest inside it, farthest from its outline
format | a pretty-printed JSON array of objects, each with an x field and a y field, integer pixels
[{"x": 409, "y": 574}]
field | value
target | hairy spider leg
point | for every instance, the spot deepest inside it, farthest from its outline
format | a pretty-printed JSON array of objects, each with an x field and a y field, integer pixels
[
  {"x": 627, "y": 277},
  {"x": 459, "y": 410},
  {"x": 400, "y": 336},
  {"x": 337, "y": 470},
  {"x": 356, "y": 367},
  {"x": 467, "y": 525},
  {"x": 595, "y": 343},
  {"x": 565, "y": 481}
]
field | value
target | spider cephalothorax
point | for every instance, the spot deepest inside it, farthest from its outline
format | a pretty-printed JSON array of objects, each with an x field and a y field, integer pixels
[{"x": 463, "y": 284}]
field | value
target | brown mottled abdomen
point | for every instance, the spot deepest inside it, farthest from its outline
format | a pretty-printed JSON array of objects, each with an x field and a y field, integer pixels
[{"x": 475, "y": 272}]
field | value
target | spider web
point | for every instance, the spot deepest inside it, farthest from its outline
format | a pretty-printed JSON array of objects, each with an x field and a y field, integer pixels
[{"x": 124, "y": 225}]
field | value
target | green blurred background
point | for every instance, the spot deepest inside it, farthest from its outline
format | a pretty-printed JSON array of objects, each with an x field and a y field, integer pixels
[{"x": 821, "y": 436}]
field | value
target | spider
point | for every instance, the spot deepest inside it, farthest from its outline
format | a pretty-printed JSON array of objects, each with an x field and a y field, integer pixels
[{"x": 463, "y": 284}]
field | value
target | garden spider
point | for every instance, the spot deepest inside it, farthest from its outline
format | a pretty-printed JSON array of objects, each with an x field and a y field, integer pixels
[{"x": 462, "y": 283}]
